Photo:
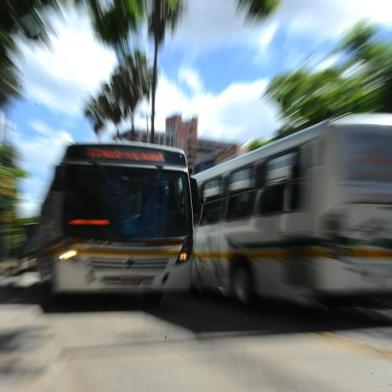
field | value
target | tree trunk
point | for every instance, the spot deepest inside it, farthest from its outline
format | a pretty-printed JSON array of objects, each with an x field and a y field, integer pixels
[
  {"x": 133, "y": 134},
  {"x": 154, "y": 88}
]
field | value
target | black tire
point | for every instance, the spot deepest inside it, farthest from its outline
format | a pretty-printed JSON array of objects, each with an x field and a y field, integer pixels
[
  {"x": 152, "y": 299},
  {"x": 47, "y": 299},
  {"x": 242, "y": 284}
]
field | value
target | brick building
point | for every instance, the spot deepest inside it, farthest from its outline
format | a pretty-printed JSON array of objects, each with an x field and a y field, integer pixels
[{"x": 201, "y": 153}]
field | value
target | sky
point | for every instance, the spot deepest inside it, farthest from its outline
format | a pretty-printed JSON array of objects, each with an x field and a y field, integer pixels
[{"x": 215, "y": 66}]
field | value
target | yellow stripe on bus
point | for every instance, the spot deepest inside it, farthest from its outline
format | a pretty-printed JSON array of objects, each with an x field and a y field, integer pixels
[
  {"x": 118, "y": 252},
  {"x": 281, "y": 254}
]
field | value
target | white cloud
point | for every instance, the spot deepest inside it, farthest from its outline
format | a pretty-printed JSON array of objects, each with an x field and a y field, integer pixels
[
  {"x": 191, "y": 79},
  {"x": 40, "y": 127},
  {"x": 64, "y": 75},
  {"x": 327, "y": 62},
  {"x": 208, "y": 24},
  {"x": 236, "y": 113},
  {"x": 39, "y": 155},
  {"x": 326, "y": 19}
]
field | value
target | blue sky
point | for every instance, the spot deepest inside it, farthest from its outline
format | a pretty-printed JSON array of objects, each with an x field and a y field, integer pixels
[{"x": 215, "y": 66}]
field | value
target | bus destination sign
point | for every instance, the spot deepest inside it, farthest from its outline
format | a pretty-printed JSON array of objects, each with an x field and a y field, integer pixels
[{"x": 124, "y": 154}]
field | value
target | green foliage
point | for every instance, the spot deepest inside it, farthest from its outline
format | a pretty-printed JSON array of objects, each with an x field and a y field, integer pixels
[
  {"x": 118, "y": 99},
  {"x": 363, "y": 83},
  {"x": 22, "y": 18},
  {"x": 161, "y": 14},
  {"x": 255, "y": 144},
  {"x": 10, "y": 173},
  {"x": 258, "y": 9},
  {"x": 115, "y": 22}
]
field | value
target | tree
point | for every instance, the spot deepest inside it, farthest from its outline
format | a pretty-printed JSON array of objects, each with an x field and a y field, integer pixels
[
  {"x": 114, "y": 22},
  {"x": 162, "y": 14},
  {"x": 255, "y": 144},
  {"x": 21, "y": 18},
  {"x": 117, "y": 100},
  {"x": 131, "y": 82},
  {"x": 10, "y": 173},
  {"x": 362, "y": 83},
  {"x": 95, "y": 114},
  {"x": 258, "y": 9}
]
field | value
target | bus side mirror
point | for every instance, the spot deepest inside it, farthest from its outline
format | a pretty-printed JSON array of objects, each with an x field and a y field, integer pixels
[{"x": 195, "y": 200}]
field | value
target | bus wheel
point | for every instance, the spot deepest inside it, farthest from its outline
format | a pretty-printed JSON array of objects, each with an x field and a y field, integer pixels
[
  {"x": 242, "y": 285},
  {"x": 152, "y": 298}
]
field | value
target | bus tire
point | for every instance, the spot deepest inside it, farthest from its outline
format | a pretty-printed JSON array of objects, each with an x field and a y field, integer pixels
[
  {"x": 153, "y": 298},
  {"x": 46, "y": 296},
  {"x": 242, "y": 284}
]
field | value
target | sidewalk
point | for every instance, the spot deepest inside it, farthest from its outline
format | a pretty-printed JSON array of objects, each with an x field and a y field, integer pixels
[
  {"x": 8, "y": 266},
  {"x": 14, "y": 266}
]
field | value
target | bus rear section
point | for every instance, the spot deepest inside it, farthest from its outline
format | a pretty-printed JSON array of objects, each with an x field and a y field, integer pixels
[
  {"x": 356, "y": 222},
  {"x": 126, "y": 226},
  {"x": 307, "y": 218}
]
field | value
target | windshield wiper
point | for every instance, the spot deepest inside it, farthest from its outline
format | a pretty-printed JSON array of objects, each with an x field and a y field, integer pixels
[{"x": 107, "y": 177}]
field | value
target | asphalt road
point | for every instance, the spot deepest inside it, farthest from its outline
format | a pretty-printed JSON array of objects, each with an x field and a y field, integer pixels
[{"x": 186, "y": 344}]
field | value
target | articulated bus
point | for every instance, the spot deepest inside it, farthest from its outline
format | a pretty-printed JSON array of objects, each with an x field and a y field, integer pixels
[
  {"x": 306, "y": 218},
  {"x": 117, "y": 219}
]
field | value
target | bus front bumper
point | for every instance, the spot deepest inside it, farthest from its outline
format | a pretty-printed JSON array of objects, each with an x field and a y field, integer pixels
[{"x": 72, "y": 277}]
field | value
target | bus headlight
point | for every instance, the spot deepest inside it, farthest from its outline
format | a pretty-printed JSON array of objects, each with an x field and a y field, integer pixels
[
  {"x": 68, "y": 254},
  {"x": 185, "y": 252},
  {"x": 183, "y": 256}
]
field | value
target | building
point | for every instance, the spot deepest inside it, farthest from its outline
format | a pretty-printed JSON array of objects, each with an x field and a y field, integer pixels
[
  {"x": 201, "y": 153},
  {"x": 183, "y": 134},
  {"x": 143, "y": 136},
  {"x": 214, "y": 153}
]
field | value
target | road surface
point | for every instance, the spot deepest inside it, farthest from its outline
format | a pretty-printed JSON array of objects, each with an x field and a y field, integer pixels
[{"x": 186, "y": 344}]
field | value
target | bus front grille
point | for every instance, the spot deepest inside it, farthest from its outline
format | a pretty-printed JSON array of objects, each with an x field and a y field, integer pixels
[{"x": 126, "y": 264}]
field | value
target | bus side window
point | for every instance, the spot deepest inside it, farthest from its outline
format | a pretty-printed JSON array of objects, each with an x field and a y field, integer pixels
[
  {"x": 212, "y": 211},
  {"x": 211, "y": 192},
  {"x": 241, "y": 194},
  {"x": 281, "y": 190},
  {"x": 240, "y": 206}
]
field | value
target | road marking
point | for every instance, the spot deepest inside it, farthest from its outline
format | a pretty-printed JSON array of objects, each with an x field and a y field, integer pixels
[{"x": 344, "y": 342}]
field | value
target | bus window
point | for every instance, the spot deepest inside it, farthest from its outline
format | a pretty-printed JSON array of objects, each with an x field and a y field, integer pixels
[
  {"x": 240, "y": 205},
  {"x": 211, "y": 212},
  {"x": 282, "y": 186},
  {"x": 241, "y": 179},
  {"x": 212, "y": 188}
]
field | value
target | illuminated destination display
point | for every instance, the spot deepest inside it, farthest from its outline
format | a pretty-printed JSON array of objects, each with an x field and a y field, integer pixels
[
  {"x": 124, "y": 154},
  {"x": 99, "y": 153}
]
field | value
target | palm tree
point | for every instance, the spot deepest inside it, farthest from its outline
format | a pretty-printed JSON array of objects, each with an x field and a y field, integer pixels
[
  {"x": 118, "y": 99},
  {"x": 113, "y": 23},
  {"x": 21, "y": 19},
  {"x": 258, "y": 9},
  {"x": 111, "y": 106},
  {"x": 95, "y": 114},
  {"x": 135, "y": 82},
  {"x": 161, "y": 15}
]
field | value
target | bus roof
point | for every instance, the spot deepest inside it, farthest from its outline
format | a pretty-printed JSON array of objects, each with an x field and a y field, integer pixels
[
  {"x": 270, "y": 149},
  {"x": 130, "y": 144},
  {"x": 364, "y": 119},
  {"x": 294, "y": 140}
]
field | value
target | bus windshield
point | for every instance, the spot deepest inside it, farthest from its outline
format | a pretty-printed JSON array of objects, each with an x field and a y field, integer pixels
[
  {"x": 367, "y": 160},
  {"x": 123, "y": 203}
]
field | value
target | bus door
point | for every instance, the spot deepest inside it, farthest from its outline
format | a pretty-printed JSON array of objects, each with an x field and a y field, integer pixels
[
  {"x": 209, "y": 231},
  {"x": 281, "y": 205}
]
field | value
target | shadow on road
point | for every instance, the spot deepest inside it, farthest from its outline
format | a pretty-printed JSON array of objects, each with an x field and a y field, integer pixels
[{"x": 208, "y": 314}]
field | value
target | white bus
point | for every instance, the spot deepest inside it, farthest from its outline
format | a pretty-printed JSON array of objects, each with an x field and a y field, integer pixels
[
  {"x": 117, "y": 219},
  {"x": 306, "y": 218}
]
